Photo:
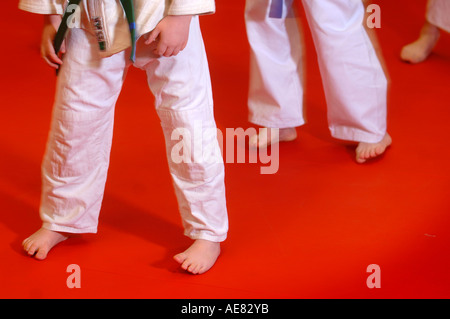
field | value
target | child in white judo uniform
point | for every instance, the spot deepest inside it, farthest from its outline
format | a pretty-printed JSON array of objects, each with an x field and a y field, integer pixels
[
  {"x": 76, "y": 160},
  {"x": 354, "y": 82},
  {"x": 437, "y": 19}
]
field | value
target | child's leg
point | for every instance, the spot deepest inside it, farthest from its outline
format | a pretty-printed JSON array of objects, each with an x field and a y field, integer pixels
[
  {"x": 275, "y": 93},
  {"x": 354, "y": 82},
  {"x": 77, "y": 156},
  {"x": 437, "y": 18},
  {"x": 183, "y": 97}
]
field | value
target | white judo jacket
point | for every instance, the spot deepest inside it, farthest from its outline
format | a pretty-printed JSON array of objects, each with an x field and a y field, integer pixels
[{"x": 115, "y": 26}]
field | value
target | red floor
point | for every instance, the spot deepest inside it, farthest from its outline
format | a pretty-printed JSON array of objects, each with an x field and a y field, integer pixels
[{"x": 308, "y": 231}]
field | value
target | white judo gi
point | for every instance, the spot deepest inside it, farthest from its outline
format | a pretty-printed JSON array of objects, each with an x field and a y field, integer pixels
[
  {"x": 438, "y": 14},
  {"x": 76, "y": 161},
  {"x": 353, "y": 79}
]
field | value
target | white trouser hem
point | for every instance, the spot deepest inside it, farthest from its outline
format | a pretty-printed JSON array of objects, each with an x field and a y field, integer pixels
[
  {"x": 274, "y": 124},
  {"x": 355, "y": 135},
  {"x": 67, "y": 229},
  {"x": 194, "y": 235}
]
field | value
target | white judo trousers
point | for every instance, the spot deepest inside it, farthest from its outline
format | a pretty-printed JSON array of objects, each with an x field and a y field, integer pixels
[
  {"x": 438, "y": 13},
  {"x": 76, "y": 160},
  {"x": 354, "y": 82}
]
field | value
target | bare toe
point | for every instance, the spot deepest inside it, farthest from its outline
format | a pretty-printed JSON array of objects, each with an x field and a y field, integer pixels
[
  {"x": 365, "y": 151},
  {"x": 41, "y": 254},
  {"x": 199, "y": 257}
]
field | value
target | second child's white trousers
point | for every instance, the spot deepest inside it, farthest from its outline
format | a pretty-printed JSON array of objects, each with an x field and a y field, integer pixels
[
  {"x": 353, "y": 79},
  {"x": 438, "y": 13}
]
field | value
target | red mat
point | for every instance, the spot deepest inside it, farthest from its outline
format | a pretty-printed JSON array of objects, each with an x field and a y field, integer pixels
[{"x": 308, "y": 231}]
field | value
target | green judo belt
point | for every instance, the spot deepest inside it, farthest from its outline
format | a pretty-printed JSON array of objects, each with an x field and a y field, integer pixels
[{"x": 127, "y": 6}]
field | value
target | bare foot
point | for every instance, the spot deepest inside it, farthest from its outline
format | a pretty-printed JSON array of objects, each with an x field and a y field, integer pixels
[
  {"x": 268, "y": 136},
  {"x": 199, "y": 257},
  {"x": 420, "y": 49},
  {"x": 40, "y": 243},
  {"x": 364, "y": 151}
]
